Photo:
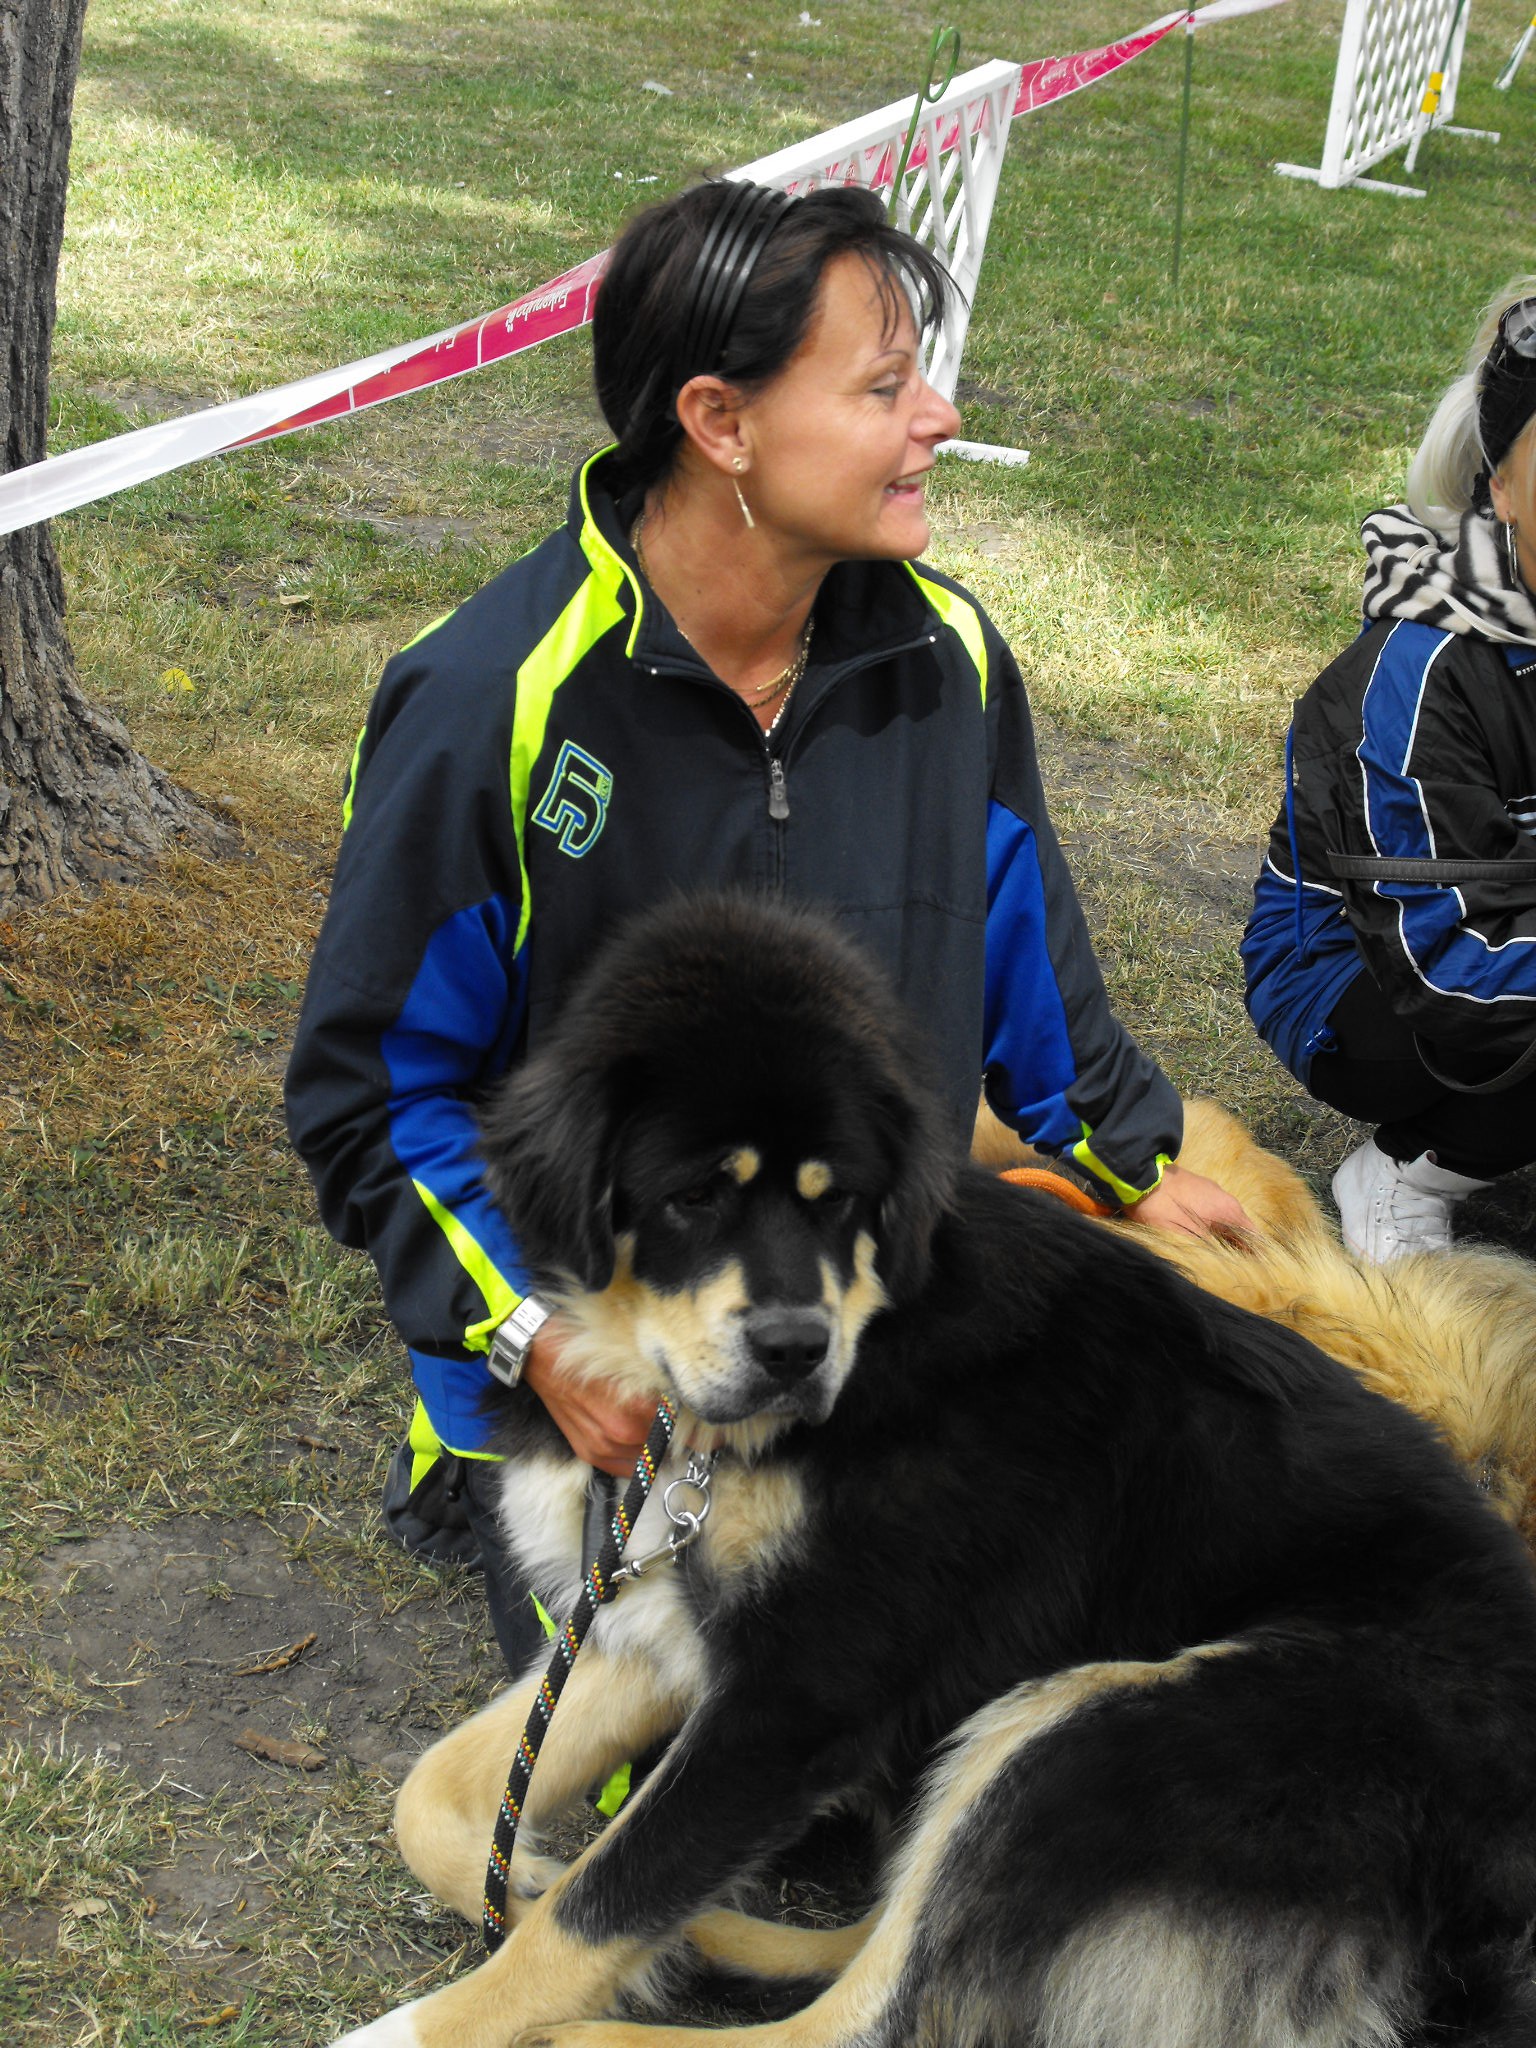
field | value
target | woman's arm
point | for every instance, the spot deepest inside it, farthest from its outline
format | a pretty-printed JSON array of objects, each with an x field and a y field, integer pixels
[{"x": 414, "y": 1002}]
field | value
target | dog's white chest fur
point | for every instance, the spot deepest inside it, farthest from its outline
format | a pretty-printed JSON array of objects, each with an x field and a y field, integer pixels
[
  {"x": 755, "y": 1515},
  {"x": 543, "y": 1510}
]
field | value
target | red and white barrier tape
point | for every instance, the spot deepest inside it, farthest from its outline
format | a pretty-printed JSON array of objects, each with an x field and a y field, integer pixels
[
  {"x": 61, "y": 482},
  {"x": 1053, "y": 78}
]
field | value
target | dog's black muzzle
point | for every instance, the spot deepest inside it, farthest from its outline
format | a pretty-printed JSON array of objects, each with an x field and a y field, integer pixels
[{"x": 787, "y": 1344}]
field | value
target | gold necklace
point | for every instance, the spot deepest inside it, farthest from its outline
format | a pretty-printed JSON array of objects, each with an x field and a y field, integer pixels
[{"x": 783, "y": 684}]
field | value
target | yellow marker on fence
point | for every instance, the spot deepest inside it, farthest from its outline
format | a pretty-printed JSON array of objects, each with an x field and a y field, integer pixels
[{"x": 1432, "y": 93}]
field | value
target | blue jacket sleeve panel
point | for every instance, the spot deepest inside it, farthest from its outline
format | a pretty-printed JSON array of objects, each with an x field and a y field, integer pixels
[
  {"x": 1028, "y": 1049},
  {"x": 414, "y": 1004},
  {"x": 1450, "y": 955},
  {"x": 452, "y": 1390},
  {"x": 1060, "y": 1067},
  {"x": 454, "y": 1031}
]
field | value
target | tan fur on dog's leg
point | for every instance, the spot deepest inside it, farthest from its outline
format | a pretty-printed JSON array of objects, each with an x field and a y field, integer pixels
[
  {"x": 611, "y": 1708},
  {"x": 543, "y": 1974},
  {"x": 768, "y": 1949},
  {"x": 626, "y": 2034}
]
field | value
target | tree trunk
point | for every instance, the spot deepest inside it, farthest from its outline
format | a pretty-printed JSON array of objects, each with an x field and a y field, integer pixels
[{"x": 77, "y": 804}]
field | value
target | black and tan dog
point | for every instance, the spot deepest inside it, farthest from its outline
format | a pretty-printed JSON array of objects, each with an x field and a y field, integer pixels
[
  {"x": 1202, "y": 1679},
  {"x": 1450, "y": 1335}
]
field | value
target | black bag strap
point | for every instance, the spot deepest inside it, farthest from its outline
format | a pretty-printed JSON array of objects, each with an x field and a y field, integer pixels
[
  {"x": 1364, "y": 867},
  {"x": 1515, "y": 1071},
  {"x": 1369, "y": 867}
]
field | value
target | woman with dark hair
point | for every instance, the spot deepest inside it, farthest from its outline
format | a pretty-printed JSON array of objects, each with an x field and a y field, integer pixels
[
  {"x": 1391, "y": 954},
  {"x": 724, "y": 671}
]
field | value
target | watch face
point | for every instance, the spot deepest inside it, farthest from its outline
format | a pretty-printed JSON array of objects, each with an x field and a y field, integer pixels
[
  {"x": 509, "y": 1346},
  {"x": 508, "y": 1354}
]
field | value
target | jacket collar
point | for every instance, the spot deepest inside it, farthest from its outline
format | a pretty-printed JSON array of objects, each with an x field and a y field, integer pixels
[{"x": 866, "y": 612}]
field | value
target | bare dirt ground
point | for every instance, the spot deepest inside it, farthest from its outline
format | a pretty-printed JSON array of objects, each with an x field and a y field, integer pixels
[
  {"x": 213, "y": 1664},
  {"x": 200, "y": 1643}
]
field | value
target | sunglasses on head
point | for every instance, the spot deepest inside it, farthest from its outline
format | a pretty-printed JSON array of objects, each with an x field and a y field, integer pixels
[
  {"x": 1506, "y": 386},
  {"x": 1517, "y": 329}
]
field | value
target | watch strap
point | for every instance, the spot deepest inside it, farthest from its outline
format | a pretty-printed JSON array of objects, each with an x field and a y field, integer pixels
[{"x": 514, "y": 1339}]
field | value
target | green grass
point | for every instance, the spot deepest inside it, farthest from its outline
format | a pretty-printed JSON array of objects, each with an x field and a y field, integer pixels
[{"x": 261, "y": 190}]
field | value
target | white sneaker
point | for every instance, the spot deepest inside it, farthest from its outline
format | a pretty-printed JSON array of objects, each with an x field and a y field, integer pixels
[{"x": 1388, "y": 1207}]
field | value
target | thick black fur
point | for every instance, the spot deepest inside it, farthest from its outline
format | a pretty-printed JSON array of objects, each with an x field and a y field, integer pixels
[
  {"x": 1051, "y": 1452},
  {"x": 690, "y": 1025}
]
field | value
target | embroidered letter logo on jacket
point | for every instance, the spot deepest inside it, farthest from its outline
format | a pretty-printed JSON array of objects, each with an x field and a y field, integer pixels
[{"x": 575, "y": 805}]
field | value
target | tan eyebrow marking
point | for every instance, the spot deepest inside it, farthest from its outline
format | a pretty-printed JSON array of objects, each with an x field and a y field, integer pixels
[
  {"x": 812, "y": 1180},
  {"x": 744, "y": 1165}
]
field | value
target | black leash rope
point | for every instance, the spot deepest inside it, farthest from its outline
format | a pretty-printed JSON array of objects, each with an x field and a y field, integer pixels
[{"x": 599, "y": 1586}]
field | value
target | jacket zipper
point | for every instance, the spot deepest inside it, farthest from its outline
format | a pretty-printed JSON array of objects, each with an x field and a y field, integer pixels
[{"x": 778, "y": 787}]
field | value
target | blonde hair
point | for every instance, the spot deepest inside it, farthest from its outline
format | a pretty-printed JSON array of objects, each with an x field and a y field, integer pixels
[{"x": 1445, "y": 468}]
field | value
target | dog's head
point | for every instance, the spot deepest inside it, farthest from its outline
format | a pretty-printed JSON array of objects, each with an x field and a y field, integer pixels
[{"x": 729, "y": 1132}]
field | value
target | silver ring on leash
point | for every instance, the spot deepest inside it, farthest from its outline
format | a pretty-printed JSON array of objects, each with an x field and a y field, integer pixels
[{"x": 687, "y": 1523}]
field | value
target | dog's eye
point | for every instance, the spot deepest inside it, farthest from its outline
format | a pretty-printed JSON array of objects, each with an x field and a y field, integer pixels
[{"x": 702, "y": 1199}]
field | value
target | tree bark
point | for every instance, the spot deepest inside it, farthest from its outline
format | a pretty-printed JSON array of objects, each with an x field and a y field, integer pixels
[{"x": 77, "y": 804}]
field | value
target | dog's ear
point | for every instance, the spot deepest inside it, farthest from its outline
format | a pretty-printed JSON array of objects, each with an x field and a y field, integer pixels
[
  {"x": 548, "y": 1142},
  {"x": 922, "y": 1189}
]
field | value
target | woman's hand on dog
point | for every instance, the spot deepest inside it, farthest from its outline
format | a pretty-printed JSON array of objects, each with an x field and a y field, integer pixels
[
  {"x": 602, "y": 1425},
  {"x": 1199, "y": 1207}
]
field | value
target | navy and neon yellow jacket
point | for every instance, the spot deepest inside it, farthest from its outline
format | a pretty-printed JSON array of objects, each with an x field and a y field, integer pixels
[{"x": 553, "y": 758}]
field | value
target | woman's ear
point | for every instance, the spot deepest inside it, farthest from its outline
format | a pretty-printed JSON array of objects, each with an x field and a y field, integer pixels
[
  {"x": 710, "y": 413},
  {"x": 1498, "y": 491}
]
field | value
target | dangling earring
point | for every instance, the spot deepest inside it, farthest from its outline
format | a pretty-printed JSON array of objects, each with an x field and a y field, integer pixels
[
  {"x": 746, "y": 510},
  {"x": 1512, "y": 552}
]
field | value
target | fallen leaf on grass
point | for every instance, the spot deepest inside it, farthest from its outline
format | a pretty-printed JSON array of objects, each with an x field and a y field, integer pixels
[
  {"x": 87, "y": 1909},
  {"x": 218, "y": 2019},
  {"x": 280, "y": 1659},
  {"x": 297, "y": 1755}
]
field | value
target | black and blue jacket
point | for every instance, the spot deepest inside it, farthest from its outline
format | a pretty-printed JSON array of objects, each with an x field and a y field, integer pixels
[
  {"x": 553, "y": 758},
  {"x": 1406, "y": 847}
]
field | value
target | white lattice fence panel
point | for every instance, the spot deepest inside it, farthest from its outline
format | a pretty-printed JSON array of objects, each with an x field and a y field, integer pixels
[
  {"x": 947, "y": 189},
  {"x": 1395, "y": 47}
]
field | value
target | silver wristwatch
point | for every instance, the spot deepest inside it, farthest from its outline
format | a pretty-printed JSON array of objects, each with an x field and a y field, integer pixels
[{"x": 514, "y": 1338}]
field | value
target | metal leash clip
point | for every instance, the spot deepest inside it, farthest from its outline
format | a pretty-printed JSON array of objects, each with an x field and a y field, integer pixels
[{"x": 687, "y": 1523}]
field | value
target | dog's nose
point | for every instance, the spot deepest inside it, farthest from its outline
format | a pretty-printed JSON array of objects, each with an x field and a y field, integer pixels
[{"x": 788, "y": 1343}]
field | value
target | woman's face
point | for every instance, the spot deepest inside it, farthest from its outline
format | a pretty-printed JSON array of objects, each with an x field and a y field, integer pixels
[
  {"x": 1512, "y": 488},
  {"x": 840, "y": 443}
]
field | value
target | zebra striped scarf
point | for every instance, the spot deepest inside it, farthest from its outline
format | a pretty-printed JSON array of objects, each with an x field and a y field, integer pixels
[{"x": 1460, "y": 584}]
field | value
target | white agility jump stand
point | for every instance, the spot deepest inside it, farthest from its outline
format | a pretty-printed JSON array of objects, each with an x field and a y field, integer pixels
[
  {"x": 945, "y": 198},
  {"x": 1384, "y": 93}
]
